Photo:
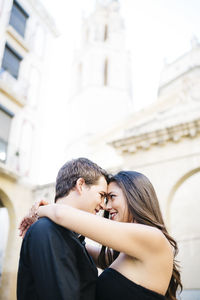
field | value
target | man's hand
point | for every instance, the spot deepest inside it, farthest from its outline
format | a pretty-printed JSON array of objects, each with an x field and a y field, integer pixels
[{"x": 30, "y": 218}]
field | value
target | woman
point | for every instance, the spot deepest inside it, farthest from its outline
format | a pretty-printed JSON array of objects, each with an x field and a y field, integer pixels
[{"x": 142, "y": 264}]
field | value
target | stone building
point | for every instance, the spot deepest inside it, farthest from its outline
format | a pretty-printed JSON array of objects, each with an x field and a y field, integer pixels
[
  {"x": 163, "y": 142},
  {"x": 25, "y": 30}
]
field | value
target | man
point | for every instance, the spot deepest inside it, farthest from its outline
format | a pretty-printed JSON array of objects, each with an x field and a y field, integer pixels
[{"x": 54, "y": 264}]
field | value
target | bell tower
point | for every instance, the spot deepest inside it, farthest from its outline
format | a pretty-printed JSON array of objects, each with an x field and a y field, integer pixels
[{"x": 101, "y": 75}]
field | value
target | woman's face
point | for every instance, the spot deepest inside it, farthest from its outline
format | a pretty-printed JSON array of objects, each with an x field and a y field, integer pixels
[{"x": 116, "y": 204}]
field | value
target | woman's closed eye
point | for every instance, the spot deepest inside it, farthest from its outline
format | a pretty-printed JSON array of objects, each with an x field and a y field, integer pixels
[{"x": 111, "y": 196}]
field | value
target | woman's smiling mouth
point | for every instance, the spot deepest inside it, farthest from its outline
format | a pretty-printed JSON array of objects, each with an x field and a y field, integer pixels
[{"x": 112, "y": 215}]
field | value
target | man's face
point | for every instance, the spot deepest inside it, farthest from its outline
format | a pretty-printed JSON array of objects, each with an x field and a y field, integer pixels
[{"x": 93, "y": 196}]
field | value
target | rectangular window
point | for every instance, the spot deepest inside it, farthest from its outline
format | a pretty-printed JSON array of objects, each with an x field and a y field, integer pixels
[
  {"x": 18, "y": 18},
  {"x": 11, "y": 61},
  {"x": 5, "y": 122}
]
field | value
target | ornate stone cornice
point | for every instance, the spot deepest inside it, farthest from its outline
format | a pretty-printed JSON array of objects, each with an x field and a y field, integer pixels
[{"x": 158, "y": 137}]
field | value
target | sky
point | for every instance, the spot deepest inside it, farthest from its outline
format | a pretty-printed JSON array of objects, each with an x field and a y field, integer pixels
[{"x": 157, "y": 31}]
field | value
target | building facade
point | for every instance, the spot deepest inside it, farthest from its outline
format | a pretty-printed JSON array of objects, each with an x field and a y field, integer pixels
[
  {"x": 163, "y": 142},
  {"x": 25, "y": 29}
]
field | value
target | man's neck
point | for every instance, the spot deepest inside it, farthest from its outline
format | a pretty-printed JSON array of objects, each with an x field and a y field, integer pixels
[{"x": 69, "y": 200}]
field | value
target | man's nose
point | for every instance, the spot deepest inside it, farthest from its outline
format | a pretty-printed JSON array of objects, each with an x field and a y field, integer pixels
[{"x": 103, "y": 204}]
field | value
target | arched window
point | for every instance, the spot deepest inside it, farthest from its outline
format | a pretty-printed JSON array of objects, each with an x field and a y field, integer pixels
[
  {"x": 106, "y": 72},
  {"x": 106, "y": 32}
]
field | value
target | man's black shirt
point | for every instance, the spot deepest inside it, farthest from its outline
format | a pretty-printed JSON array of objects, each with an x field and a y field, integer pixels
[{"x": 54, "y": 265}]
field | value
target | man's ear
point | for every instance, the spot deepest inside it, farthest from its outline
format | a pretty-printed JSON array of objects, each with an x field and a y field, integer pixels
[{"x": 79, "y": 185}]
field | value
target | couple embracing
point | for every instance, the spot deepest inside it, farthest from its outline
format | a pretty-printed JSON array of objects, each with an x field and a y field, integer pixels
[{"x": 137, "y": 253}]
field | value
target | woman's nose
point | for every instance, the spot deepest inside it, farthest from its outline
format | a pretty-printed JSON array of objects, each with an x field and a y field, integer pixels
[{"x": 108, "y": 205}]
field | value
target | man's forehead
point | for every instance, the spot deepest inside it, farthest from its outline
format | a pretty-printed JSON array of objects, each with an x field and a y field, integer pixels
[
  {"x": 102, "y": 181},
  {"x": 104, "y": 189}
]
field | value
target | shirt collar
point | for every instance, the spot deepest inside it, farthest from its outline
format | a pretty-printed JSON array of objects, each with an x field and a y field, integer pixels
[{"x": 80, "y": 237}]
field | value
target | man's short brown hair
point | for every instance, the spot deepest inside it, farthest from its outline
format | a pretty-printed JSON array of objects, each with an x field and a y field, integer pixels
[{"x": 74, "y": 169}]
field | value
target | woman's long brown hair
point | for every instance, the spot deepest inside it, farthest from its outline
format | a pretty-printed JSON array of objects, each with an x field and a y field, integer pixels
[{"x": 144, "y": 208}]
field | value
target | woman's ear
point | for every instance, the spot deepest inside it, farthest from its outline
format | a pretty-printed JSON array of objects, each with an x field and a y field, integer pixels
[{"x": 79, "y": 185}]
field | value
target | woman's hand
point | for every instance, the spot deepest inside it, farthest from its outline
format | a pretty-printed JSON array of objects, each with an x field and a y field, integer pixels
[{"x": 30, "y": 218}]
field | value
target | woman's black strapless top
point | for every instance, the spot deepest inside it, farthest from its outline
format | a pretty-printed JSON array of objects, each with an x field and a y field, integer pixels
[{"x": 112, "y": 285}]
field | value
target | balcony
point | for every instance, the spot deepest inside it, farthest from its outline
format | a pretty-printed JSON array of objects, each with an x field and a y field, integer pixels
[
  {"x": 24, "y": 43},
  {"x": 16, "y": 90}
]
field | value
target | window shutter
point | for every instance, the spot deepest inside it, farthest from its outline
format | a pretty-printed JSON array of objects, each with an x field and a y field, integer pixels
[
  {"x": 5, "y": 122},
  {"x": 11, "y": 61},
  {"x": 18, "y": 18}
]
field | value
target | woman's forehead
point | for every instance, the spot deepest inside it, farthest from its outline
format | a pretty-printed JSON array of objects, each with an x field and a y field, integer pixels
[{"x": 113, "y": 186}]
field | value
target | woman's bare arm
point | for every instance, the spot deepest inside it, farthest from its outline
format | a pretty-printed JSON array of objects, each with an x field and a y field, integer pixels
[{"x": 134, "y": 239}]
